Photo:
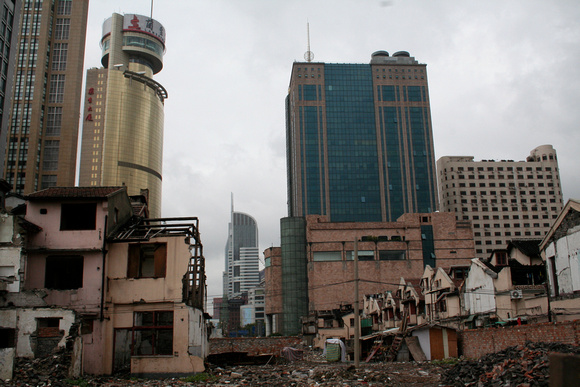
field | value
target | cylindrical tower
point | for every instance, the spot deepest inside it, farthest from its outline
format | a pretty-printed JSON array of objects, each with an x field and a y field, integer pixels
[{"x": 132, "y": 148}]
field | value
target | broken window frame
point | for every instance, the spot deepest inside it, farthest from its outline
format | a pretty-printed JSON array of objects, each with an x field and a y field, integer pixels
[
  {"x": 157, "y": 326},
  {"x": 147, "y": 260}
]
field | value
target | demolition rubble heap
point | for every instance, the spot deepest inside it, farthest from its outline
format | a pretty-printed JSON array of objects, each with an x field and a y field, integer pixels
[
  {"x": 51, "y": 370},
  {"x": 520, "y": 365}
]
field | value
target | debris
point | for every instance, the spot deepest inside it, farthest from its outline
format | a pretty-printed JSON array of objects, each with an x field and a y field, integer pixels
[
  {"x": 518, "y": 365},
  {"x": 292, "y": 354}
]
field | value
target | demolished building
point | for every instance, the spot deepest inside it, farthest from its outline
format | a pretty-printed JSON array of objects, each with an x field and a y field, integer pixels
[{"x": 124, "y": 291}]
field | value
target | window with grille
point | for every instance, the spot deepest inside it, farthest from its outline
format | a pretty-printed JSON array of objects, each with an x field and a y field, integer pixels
[
  {"x": 54, "y": 121},
  {"x": 59, "y": 56},
  {"x": 56, "y": 94},
  {"x": 64, "y": 7},
  {"x": 62, "y": 29},
  {"x": 48, "y": 181},
  {"x": 50, "y": 156}
]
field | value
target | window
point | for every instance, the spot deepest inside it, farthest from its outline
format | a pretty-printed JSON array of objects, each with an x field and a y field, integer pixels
[
  {"x": 59, "y": 55},
  {"x": 50, "y": 159},
  {"x": 64, "y": 272},
  {"x": 48, "y": 181},
  {"x": 326, "y": 256},
  {"x": 48, "y": 327},
  {"x": 64, "y": 7},
  {"x": 236, "y": 271},
  {"x": 54, "y": 119},
  {"x": 62, "y": 28},
  {"x": 78, "y": 216},
  {"x": 7, "y": 338},
  {"x": 147, "y": 260},
  {"x": 56, "y": 94},
  {"x": 152, "y": 333},
  {"x": 391, "y": 255}
]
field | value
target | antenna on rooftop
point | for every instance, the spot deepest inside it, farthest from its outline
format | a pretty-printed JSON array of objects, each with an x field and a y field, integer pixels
[
  {"x": 308, "y": 55},
  {"x": 151, "y": 9}
]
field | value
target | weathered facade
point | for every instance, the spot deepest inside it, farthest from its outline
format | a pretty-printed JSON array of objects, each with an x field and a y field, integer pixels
[
  {"x": 386, "y": 252},
  {"x": 560, "y": 250},
  {"x": 508, "y": 287},
  {"x": 128, "y": 292}
]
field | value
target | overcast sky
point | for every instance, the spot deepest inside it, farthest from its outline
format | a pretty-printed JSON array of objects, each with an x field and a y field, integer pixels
[{"x": 504, "y": 78}]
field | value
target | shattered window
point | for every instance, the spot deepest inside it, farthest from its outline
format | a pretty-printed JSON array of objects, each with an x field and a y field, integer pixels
[{"x": 153, "y": 333}]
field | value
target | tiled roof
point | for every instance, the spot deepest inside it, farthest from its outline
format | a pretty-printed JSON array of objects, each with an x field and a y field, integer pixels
[
  {"x": 74, "y": 192},
  {"x": 530, "y": 247}
]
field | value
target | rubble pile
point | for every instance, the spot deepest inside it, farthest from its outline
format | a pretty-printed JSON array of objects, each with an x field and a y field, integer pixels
[
  {"x": 325, "y": 375},
  {"x": 49, "y": 370},
  {"x": 519, "y": 365},
  {"x": 286, "y": 374}
]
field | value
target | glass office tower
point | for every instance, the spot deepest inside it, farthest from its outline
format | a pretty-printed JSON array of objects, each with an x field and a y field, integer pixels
[
  {"x": 242, "y": 255},
  {"x": 123, "y": 113},
  {"x": 40, "y": 137},
  {"x": 359, "y": 139}
]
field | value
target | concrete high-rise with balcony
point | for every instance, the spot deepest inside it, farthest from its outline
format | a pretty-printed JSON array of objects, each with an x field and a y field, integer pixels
[
  {"x": 504, "y": 199},
  {"x": 123, "y": 112},
  {"x": 359, "y": 140},
  {"x": 42, "y": 130}
]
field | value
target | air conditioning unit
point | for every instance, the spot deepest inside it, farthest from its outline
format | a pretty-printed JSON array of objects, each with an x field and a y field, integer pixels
[{"x": 516, "y": 294}]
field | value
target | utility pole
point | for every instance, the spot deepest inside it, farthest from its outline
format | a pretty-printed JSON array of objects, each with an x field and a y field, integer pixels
[{"x": 356, "y": 308}]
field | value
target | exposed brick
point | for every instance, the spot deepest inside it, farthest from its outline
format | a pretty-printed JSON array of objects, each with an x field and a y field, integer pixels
[{"x": 478, "y": 342}]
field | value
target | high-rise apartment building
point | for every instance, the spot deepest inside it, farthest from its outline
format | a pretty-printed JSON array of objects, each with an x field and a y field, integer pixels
[
  {"x": 123, "y": 115},
  {"x": 10, "y": 18},
  {"x": 504, "y": 199},
  {"x": 359, "y": 139},
  {"x": 44, "y": 117},
  {"x": 241, "y": 255}
]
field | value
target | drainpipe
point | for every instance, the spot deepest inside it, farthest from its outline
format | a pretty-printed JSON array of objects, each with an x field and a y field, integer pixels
[{"x": 104, "y": 252}]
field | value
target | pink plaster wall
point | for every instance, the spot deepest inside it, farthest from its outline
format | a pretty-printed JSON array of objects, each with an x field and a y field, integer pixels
[
  {"x": 128, "y": 290},
  {"x": 52, "y": 238}
]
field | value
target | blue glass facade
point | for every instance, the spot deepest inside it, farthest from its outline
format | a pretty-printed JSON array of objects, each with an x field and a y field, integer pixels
[
  {"x": 359, "y": 141},
  {"x": 352, "y": 143}
]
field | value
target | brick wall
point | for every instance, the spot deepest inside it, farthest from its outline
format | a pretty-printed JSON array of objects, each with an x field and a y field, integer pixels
[
  {"x": 253, "y": 345},
  {"x": 475, "y": 343}
]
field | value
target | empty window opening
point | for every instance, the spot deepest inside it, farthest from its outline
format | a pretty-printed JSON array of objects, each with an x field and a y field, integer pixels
[
  {"x": 147, "y": 260},
  {"x": 48, "y": 335},
  {"x": 78, "y": 216},
  {"x": 7, "y": 337},
  {"x": 64, "y": 272}
]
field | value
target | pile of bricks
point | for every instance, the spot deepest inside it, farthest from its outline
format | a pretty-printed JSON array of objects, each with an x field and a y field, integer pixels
[
  {"x": 51, "y": 370},
  {"x": 525, "y": 365}
]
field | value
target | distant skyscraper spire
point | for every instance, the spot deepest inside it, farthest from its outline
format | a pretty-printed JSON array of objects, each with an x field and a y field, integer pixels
[
  {"x": 241, "y": 254},
  {"x": 308, "y": 55}
]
